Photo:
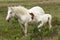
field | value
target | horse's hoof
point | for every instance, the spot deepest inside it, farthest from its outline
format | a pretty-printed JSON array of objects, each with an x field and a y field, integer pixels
[
  {"x": 26, "y": 35},
  {"x": 39, "y": 30},
  {"x": 23, "y": 33}
]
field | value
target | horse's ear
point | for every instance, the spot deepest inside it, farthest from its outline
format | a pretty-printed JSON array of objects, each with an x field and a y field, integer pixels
[{"x": 11, "y": 8}]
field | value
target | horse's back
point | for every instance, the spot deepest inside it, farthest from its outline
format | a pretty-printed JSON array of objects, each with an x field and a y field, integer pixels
[{"x": 37, "y": 10}]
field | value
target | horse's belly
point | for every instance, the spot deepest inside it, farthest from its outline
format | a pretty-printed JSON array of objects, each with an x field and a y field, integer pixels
[
  {"x": 45, "y": 20},
  {"x": 41, "y": 18}
]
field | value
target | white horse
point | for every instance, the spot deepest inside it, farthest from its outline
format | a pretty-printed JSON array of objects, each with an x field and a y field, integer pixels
[{"x": 22, "y": 14}]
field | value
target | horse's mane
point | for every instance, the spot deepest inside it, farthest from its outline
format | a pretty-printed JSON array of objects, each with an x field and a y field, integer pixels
[{"x": 20, "y": 9}]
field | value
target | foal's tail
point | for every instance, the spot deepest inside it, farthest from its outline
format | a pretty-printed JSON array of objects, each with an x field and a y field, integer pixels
[{"x": 50, "y": 20}]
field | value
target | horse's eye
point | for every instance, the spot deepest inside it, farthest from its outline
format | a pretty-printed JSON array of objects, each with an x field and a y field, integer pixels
[{"x": 10, "y": 12}]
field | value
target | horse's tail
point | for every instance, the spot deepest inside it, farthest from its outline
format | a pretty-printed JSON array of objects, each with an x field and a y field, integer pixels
[{"x": 50, "y": 20}]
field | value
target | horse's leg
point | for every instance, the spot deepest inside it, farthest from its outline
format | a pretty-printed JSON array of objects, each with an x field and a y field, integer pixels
[
  {"x": 25, "y": 30},
  {"x": 49, "y": 21},
  {"x": 50, "y": 24},
  {"x": 40, "y": 25},
  {"x": 22, "y": 26}
]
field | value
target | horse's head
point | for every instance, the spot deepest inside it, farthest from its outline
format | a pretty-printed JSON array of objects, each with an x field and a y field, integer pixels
[{"x": 10, "y": 14}]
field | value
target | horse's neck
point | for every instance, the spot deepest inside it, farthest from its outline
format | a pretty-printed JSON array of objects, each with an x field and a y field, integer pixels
[{"x": 20, "y": 10}]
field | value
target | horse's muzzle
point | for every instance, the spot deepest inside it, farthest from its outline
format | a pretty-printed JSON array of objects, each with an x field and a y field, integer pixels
[{"x": 8, "y": 19}]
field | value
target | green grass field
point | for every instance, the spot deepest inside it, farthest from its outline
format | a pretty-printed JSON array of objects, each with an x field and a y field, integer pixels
[{"x": 13, "y": 31}]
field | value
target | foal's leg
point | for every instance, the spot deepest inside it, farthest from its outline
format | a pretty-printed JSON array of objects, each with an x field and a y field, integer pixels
[{"x": 41, "y": 24}]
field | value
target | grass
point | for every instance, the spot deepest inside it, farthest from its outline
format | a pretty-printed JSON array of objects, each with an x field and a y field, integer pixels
[
  {"x": 19, "y": 1},
  {"x": 16, "y": 1},
  {"x": 13, "y": 31}
]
